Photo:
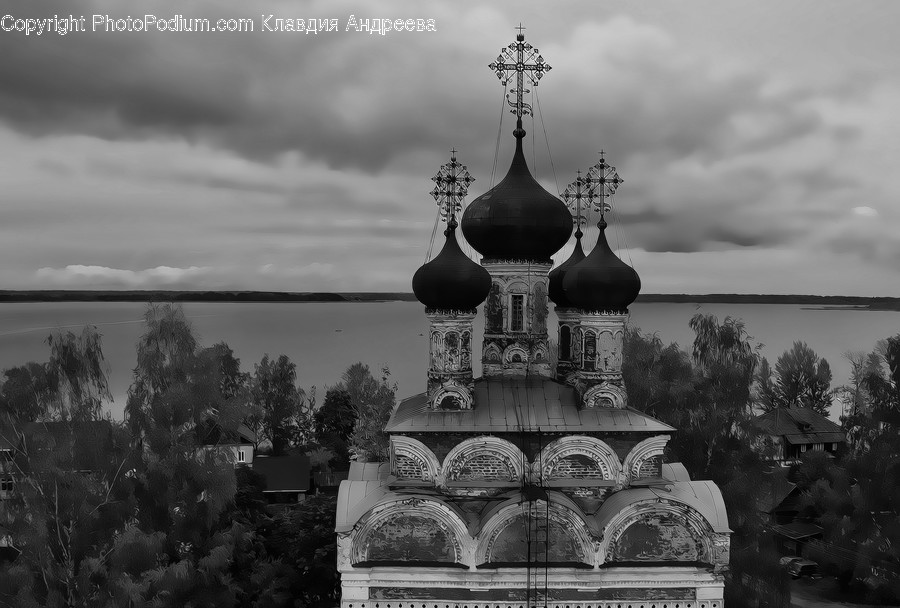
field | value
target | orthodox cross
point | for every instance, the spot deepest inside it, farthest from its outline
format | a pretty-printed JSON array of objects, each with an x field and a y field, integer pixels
[
  {"x": 573, "y": 195},
  {"x": 451, "y": 186},
  {"x": 514, "y": 59},
  {"x": 604, "y": 180}
]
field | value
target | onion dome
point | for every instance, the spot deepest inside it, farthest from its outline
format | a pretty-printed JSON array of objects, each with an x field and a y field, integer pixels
[
  {"x": 517, "y": 218},
  {"x": 451, "y": 281},
  {"x": 555, "y": 290},
  {"x": 601, "y": 281}
]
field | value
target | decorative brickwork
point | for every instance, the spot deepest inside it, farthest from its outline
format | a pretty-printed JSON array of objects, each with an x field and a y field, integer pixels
[
  {"x": 485, "y": 467},
  {"x": 645, "y": 459},
  {"x": 408, "y": 468},
  {"x": 650, "y": 467},
  {"x": 577, "y": 466}
]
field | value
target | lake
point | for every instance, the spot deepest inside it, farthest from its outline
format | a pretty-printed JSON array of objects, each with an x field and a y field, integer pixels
[{"x": 323, "y": 339}]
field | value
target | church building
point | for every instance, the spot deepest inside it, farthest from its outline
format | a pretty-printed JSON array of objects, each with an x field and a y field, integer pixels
[{"x": 534, "y": 485}]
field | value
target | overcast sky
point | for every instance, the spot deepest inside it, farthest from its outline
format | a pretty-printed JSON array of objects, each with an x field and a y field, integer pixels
[{"x": 759, "y": 141}]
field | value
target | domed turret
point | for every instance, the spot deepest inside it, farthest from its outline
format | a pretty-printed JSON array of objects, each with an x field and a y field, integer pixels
[
  {"x": 517, "y": 218},
  {"x": 601, "y": 281},
  {"x": 451, "y": 281},
  {"x": 556, "y": 292}
]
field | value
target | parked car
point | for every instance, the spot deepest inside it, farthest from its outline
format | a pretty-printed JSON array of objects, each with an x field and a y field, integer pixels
[
  {"x": 787, "y": 559},
  {"x": 803, "y": 567}
]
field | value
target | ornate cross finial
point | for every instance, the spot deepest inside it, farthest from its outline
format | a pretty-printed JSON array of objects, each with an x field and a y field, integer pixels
[
  {"x": 573, "y": 195},
  {"x": 514, "y": 59},
  {"x": 604, "y": 181},
  {"x": 451, "y": 186}
]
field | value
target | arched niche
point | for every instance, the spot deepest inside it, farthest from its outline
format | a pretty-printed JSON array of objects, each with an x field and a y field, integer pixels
[
  {"x": 579, "y": 457},
  {"x": 515, "y": 354},
  {"x": 451, "y": 396},
  {"x": 605, "y": 394},
  {"x": 658, "y": 530},
  {"x": 639, "y": 460},
  {"x": 413, "y": 530},
  {"x": 413, "y": 459},
  {"x": 557, "y": 535},
  {"x": 484, "y": 459}
]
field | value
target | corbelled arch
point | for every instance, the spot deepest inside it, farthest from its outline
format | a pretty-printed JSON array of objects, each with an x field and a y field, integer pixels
[
  {"x": 571, "y": 521},
  {"x": 546, "y": 466},
  {"x": 640, "y": 453},
  {"x": 651, "y": 511},
  {"x": 418, "y": 452},
  {"x": 485, "y": 447},
  {"x": 444, "y": 516}
]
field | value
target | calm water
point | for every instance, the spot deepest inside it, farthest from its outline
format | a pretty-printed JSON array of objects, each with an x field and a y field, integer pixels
[{"x": 323, "y": 339}]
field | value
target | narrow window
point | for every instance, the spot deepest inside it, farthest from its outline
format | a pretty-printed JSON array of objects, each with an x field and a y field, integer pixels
[
  {"x": 565, "y": 343},
  {"x": 240, "y": 455},
  {"x": 589, "y": 358},
  {"x": 517, "y": 316}
]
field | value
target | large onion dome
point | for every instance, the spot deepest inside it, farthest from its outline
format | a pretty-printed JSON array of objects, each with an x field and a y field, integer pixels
[
  {"x": 601, "y": 281},
  {"x": 451, "y": 281},
  {"x": 517, "y": 218},
  {"x": 555, "y": 290}
]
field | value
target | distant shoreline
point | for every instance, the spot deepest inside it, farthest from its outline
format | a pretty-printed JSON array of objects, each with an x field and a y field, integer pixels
[{"x": 870, "y": 303}]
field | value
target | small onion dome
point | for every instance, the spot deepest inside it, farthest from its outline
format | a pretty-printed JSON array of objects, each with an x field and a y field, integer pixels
[
  {"x": 451, "y": 281},
  {"x": 601, "y": 281},
  {"x": 558, "y": 274},
  {"x": 517, "y": 218}
]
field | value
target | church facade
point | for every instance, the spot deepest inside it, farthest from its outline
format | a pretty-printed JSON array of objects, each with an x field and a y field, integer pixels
[{"x": 535, "y": 484}]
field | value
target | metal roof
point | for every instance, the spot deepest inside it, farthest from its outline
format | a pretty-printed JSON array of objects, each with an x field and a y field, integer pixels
[
  {"x": 508, "y": 405},
  {"x": 800, "y": 425}
]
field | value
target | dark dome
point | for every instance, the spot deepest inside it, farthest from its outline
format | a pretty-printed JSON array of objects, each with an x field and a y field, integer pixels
[
  {"x": 451, "y": 280},
  {"x": 555, "y": 290},
  {"x": 517, "y": 218},
  {"x": 601, "y": 281}
]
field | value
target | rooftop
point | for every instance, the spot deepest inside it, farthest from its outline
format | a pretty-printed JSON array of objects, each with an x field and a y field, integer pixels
[
  {"x": 800, "y": 425},
  {"x": 507, "y": 405}
]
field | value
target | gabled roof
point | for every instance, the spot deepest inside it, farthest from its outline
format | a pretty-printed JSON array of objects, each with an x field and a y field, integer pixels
[
  {"x": 800, "y": 425},
  {"x": 211, "y": 432},
  {"x": 508, "y": 405},
  {"x": 284, "y": 473}
]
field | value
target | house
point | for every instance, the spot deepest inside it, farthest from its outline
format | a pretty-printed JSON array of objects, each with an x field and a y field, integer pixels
[
  {"x": 240, "y": 442},
  {"x": 797, "y": 430}
]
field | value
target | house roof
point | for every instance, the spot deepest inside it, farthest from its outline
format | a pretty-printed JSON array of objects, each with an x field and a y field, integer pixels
[
  {"x": 211, "y": 433},
  {"x": 800, "y": 425},
  {"x": 797, "y": 530},
  {"x": 284, "y": 473},
  {"x": 507, "y": 405}
]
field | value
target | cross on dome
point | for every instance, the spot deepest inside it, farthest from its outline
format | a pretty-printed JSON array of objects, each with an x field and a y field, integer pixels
[
  {"x": 514, "y": 59},
  {"x": 573, "y": 195},
  {"x": 451, "y": 186},
  {"x": 604, "y": 180}
]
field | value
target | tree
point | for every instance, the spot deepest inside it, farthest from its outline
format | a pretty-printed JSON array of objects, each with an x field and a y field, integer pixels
[
  {"x": 179, "y": 546},
  {"x": 373, "y": 401},
  {"x": 800, "y": 379},
  {"x": 69, "y": 465},
  {"x": 857, "y": 499},
  {"x": 334, "y": 423},
  {"x": 276, "y": 402}
]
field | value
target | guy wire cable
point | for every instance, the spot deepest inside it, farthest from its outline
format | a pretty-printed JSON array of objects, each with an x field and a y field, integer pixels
[{"x": 499, "y": 132}]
